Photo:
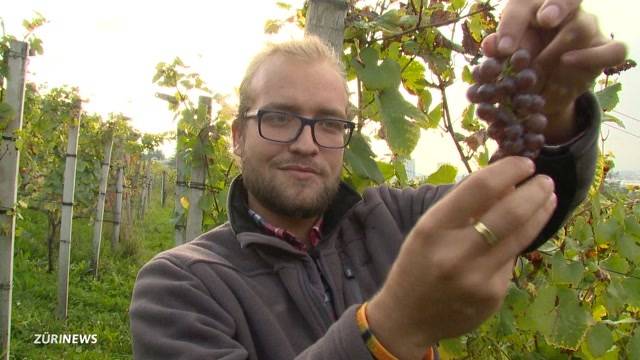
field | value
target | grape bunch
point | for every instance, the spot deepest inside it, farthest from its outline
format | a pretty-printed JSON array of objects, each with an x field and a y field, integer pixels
[{"x": 506, "y": 98}]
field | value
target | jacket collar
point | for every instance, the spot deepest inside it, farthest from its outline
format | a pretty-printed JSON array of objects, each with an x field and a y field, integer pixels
[{"x": 248, "y": 232}]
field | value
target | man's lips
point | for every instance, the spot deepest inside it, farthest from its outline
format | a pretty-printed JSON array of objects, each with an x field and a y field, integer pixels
[{"x": 300, "y": 168}]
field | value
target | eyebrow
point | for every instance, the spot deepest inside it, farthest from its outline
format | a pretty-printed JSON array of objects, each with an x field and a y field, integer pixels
[{"x": 294, "y": 109}]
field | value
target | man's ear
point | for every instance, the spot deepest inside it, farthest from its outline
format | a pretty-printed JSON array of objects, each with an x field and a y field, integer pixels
[{"x": 238, "y": 138}]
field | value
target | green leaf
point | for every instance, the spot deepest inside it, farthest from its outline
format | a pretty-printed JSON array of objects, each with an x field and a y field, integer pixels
[
  {"x": 283, "y": 5},
  {"x": 610, "y": 118},
  {"x": 272, "y": 26},
  {"x": 388, "y": 170},
  {"x": 374, "y": 76},
  {"x": 582, "y": 231},
  {"x": 632, "y": 226},
  {"x": 563, "y": 272},
  {"x": 390, "y": 20},
  {"x": 455, "y": 348},
  {"x": 607, "y": 232},
  {"x": 361, "y": 159},
  {"x": 466, "y": 75},
  {"x": 560, "y": 317},
  {"x": 599, "y": 339},
  {"x": 633, "y": 347},
  {"x": 615, "y": 297},
  {"x": 206, "y": 202},
  {"x": 35, "y": 46},
  {"x": 483, "y": 158},
  {"x": 631, "y": 287},
  {"x": 542, "y": 309},
  {"x": 616, "y": 263},
  {"x": 608, "y": 97},
  {"x": 400, "y": 171},
  {"x": 469, "y": 122},
  {"x": 628, "y": 248},
  {"x": 434, "y": 117},
  {"x": 457, "y": 4},
  {"x": 402, "y": 134},
  {"x": 446, "y": 174}
]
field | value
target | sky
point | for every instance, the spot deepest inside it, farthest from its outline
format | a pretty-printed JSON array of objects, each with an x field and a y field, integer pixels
[{"x": 110, "y": 50}]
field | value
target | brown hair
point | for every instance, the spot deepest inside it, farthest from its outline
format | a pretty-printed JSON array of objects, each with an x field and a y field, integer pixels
[{"x": 311, "y": 48}]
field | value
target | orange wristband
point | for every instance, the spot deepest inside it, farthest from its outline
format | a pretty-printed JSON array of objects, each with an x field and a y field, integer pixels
[{"x": 376, "y": 349}]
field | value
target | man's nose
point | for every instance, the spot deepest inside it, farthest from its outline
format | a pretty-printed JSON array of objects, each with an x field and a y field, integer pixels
[{"x": 304, "y": 143}]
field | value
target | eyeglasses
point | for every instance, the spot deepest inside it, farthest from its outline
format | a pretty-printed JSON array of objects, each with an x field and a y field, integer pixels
[{"x": 285, "y": 127}]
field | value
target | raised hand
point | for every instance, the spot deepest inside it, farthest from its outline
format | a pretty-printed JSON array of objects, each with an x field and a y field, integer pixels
[
  {"x": 568, "y": 48},
  {"x": 448, "y": 278}
]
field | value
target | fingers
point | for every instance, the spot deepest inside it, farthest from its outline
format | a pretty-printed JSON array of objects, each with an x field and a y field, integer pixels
[
  {"x": 480, "y": 191},
  {"x": 529, "y": 40},
  {"x": 514, "y": 20},
  {"x": 579, "y": 33},
  {"x": 553, "y": 12},
  {"x": 519, "y": 14},
  {"x": 518, "y": 218},
  {"x": 610, "y": 54}
]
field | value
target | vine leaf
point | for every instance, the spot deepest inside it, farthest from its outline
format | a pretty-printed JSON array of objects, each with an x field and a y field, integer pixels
[
  {"x": 361, "y": 159},
  {"x": 565, "y": 273},
  {"x": 610, "y": 118},
  {"x": 446, "y": 174},
  {"x": 599, "y": 340},
  {"x": 608, "y": 97},
  {"x": 402, "y": 134},
  {"x": 628, "y": 248},
  {"x": 634, "y": 345},
  {"x": 560, "y": 317},
  {"x": 374, "y": 76}
]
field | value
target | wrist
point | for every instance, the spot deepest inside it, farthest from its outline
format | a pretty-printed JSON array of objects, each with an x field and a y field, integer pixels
[
  {"x": 396, "y": 335},
  {"x": 561, "y": 126}
]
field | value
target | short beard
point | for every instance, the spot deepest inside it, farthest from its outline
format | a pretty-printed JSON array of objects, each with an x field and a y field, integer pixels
[{"x": 272, "y": 196}]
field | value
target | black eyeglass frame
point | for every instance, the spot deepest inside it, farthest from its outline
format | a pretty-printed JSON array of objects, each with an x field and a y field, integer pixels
[{"x": 304, "y": 122}]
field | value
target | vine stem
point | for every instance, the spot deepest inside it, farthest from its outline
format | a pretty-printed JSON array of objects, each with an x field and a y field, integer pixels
[
  {"x": 437, "y": 24},
  {"x": 360, "y": 107},
  {"x": 449, "y": 125}
]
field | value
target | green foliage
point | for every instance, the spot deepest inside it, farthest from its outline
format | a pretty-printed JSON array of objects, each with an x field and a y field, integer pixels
[
  {"x": 578, "y": 297},
  {"x": 201, "y": 136},
  {"x": 608, "y": 97},
  {"x": 95, "y": 306}
]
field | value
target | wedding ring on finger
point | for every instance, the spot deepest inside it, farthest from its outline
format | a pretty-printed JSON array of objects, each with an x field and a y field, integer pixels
[{"x": 486, "y": 233}]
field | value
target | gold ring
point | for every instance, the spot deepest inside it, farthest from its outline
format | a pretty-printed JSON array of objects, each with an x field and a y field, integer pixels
[{"x": 486, "y": 233}]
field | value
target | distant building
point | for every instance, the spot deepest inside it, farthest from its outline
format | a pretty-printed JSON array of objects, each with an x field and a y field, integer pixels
[{"x": 410, "y": 167}]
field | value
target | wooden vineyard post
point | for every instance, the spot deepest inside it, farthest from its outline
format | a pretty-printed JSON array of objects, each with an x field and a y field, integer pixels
[
  {"x": 117, "y": 213},
  {"x": 97, "y": 225},
  {"x": 198, "y": 173},
  {"x": 325, "y": 19},
  {"x": 180, "y": 190},
  {"x": 146, "y": 188},
  {"x": 9, "y": 160},
  {"x": 163, "y": 191},
  {"x": 67, "y": 215}
]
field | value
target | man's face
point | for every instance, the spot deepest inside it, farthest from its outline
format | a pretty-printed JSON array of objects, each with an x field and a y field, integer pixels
[{"x": 300, "y": 179}]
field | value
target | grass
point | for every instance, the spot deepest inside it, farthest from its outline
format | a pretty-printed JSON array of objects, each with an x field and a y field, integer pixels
[{"x": 97, "y": 307}]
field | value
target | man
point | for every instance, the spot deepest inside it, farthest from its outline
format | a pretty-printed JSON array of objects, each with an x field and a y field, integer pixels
[{"x": 307, "y": 268}]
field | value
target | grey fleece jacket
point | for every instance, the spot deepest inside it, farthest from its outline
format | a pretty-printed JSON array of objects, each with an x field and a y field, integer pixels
[{"x": 238, "y": 293}]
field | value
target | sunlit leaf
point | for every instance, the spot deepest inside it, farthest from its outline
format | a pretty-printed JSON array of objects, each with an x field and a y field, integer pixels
[
  {"x": 184, "y": 201},
  {"x": 446, "y": 174},
  {"x": 608, "y": 97},
  {"x": 402, "y": 134},
  {"x": 361, "y": 159}
]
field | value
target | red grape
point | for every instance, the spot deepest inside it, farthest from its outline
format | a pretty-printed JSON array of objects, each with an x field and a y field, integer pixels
[{"x": 517, "y": 122}]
